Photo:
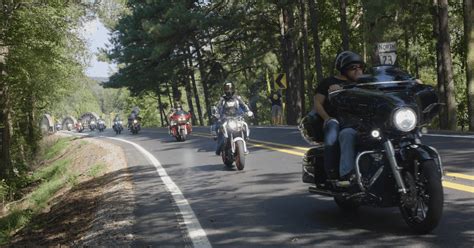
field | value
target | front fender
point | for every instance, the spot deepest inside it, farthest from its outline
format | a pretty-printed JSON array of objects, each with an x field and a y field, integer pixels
[
  {"x": 235, "y": 140},
  {"x": 421, "y": 153}
]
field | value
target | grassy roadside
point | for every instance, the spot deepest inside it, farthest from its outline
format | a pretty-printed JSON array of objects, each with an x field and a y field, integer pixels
[{"x": 54, "y": 174}]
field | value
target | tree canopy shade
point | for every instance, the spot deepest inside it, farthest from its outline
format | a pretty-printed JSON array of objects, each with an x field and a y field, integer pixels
[{"x": 248, "y": 41}]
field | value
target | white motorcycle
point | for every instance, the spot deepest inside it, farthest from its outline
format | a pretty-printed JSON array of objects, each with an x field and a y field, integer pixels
[{"x": 236, "y": 132}]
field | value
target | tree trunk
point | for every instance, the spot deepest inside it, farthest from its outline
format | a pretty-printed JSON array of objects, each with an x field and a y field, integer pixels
[
  {"x": 196, "y": 94},
  {"x": 316, "y": 42},
  {"x": 469, "y": 40},
  {"x": 170, "y": 97},
  {"x": 293, "y": 93},
  {"x": 307, "y": 75},
  {"x": 6, "y": 121},
  {"x": 344, "y": 29},
  {"x": 202, "y": 71},
  {"x": 443, "y": 118},
  {"x": 160, "y": 108},
  {"x": 189, "y": 96},
  {"x": 447, "y": 65}
]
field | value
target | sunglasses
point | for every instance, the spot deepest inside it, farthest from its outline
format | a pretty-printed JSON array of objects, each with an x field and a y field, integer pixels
[{"x": 355, "y": 67}]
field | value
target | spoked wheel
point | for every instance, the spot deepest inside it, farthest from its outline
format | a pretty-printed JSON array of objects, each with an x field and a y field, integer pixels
[
  {"x": 423, "y": 207},
  {"x": 239, "y": 155},
  {"x": 227, "y": 157}
]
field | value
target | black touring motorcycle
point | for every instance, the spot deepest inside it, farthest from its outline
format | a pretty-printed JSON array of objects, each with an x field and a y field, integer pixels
[{"x": 393, "y": 168}]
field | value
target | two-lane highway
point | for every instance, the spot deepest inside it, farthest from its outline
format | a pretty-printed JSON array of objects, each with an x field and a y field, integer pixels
[{"x": 267, "y": 205}]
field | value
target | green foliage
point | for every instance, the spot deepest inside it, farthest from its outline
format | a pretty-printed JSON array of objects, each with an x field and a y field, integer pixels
[
  {"x": 57, "y": 148},
  {"x": 12, "y": 222},
  {"x": 96, "y": 170}
]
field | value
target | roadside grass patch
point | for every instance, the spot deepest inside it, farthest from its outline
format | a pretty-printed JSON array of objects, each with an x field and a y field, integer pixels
[
  {"x": 57, "y": 148},
  {"x": 13, "y": 221},
  {"x": 50, "y": 178},
  {"x": 96, "y": 170}
]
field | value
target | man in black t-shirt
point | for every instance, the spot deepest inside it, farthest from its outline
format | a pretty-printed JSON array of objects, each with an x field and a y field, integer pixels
[
  {"x": 350, "y": 65},
  {"x": 275, "y": 100}
]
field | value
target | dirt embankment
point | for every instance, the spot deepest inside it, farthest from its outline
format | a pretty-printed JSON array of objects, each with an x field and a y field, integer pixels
[{"x": 96, "y": 211}]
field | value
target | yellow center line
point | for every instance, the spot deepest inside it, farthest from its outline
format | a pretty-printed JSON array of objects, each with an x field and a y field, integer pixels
[
  {"x": 277, "y": 149},
  {"x": 459, "y": 175},
  {"x": 458, "y": 186},
  {"x": 446, "y": 184}
]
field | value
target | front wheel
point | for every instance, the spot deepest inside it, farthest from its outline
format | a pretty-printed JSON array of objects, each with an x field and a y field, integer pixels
[
  {"x": 239, "y": 155},
  {"x": 227, "y": 157},
  {"x": 424, "y": 205},
  {"x": 183, "y": 135}
]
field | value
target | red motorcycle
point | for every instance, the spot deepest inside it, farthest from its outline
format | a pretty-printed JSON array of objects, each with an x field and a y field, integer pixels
[{"x": 180, "y": 125}]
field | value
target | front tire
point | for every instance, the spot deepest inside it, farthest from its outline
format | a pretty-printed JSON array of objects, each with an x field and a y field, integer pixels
[
  {"x": 424, "y": 214},
  {"x": 240, "y": 155}
]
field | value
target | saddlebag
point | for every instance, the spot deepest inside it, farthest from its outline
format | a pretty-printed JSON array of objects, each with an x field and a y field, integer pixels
[{"x": 313, "y": 166}]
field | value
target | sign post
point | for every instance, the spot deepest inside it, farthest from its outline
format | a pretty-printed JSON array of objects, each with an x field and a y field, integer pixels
[{"x": 387, "y": 52}]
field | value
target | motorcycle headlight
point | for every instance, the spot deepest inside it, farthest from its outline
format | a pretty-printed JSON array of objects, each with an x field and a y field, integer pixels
[
  {"x": 92, "y": 122},
  {"x": 404, "y": 119},
  {"x": 232, "y": 125},
  {"x": 181, "y": 119},
  {"x": 135, "y": 121},
  {"x": 120, "y": 122},
  {"x": 173, "y": 123}
]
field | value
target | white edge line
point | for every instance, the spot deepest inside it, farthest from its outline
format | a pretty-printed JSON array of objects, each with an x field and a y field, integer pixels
[
  {"x": 196, "y": 233},
  {"x": 450, "y": 136}
]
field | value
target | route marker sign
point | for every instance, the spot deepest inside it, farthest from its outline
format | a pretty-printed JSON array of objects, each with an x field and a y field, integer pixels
[{"x": 387, "y": 52}]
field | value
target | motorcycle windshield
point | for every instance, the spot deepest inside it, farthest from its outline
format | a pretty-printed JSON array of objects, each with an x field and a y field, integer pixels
[{"x": 386, "y": 78}]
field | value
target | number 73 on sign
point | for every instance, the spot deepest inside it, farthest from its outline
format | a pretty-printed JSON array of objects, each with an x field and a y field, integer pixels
[{"x": 388, "y": 58}]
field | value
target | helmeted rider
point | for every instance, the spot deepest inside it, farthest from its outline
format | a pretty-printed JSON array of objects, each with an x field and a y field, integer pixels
[
  {"x": 229, "y": 105},
  {"x": 133, "y": 115},
  {"x": 338, "y": 134}
]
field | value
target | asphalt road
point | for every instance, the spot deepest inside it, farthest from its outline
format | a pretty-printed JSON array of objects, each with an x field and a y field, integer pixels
[{"x": 267, "y": 204}]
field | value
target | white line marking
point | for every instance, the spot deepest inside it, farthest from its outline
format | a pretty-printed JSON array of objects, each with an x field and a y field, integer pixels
[
  {"x": 450, "y": 136},
  {"x": 196, "y": 233}
]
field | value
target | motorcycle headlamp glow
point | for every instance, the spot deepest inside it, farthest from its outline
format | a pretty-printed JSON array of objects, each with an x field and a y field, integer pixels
[
  {"x": 92, "y": 122},
  {"x": 135, "y": 121},
  {"x": 232, "y": 124},
  {"x": 404, "y": 119},
  {"x": 120, "y": 122}
]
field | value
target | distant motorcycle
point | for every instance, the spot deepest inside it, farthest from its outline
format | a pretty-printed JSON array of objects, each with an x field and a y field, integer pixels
[
  {"x": 79, "y": 127},
  {"x": 180, "y": 126},
  {"x": 118, "y": 127},
  {"x": 236, "y": 132},
  {"x": 135, "y": 125},
  {"x": 92, "y": 125},
  {"x": 101, "y": 126}
]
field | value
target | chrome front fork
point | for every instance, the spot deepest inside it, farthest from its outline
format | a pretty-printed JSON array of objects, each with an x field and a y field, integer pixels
[{"x": 390, "y": 152}]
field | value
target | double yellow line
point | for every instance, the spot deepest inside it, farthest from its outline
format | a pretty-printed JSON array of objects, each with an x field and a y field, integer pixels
[{"x": 299, "y": 151}]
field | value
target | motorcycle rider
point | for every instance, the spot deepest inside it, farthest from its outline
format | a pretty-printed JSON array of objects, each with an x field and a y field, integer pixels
[
  {"x": 133, "y": 115},
  {"x": 229, "y": 105},
  {"x": 338, "y": 134}
]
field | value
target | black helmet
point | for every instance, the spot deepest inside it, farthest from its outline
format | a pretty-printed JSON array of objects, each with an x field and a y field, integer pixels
[
  {"x": 229, "y": 89},
  {"x": 346, "y": 58}
]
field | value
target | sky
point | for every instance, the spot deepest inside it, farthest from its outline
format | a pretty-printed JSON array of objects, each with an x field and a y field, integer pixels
[{"x": 97, "y": 36}]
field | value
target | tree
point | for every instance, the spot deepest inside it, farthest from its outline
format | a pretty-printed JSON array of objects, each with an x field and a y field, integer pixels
[
  {"x": 469, "y": 46},
  {"x": 444, "y": 42}
]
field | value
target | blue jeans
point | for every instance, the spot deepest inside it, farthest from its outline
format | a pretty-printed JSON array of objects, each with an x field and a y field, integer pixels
[
  {"x": 220, "y": 138},
  {"x": 338, "y": 140}
]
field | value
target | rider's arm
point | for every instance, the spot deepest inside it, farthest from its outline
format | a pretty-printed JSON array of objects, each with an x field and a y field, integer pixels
[
  {"x": 318, "y": 105},
  {"x": 243, "y": 105}
]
